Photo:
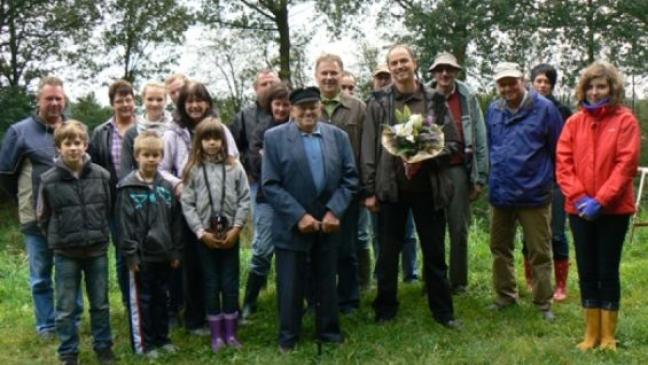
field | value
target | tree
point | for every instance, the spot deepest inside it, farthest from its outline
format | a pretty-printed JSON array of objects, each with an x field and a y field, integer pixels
[
  {"x": 88, "y": 110},
  {"x": 140, "y": 36},
  {"x": 33, "y": 33},
  {"x": 16, "y": 103},
  {"x": 270, "y": 22}
]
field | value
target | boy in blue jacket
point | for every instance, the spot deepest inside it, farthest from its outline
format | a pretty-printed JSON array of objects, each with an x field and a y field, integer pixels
[{"x": 149, "y": 217}]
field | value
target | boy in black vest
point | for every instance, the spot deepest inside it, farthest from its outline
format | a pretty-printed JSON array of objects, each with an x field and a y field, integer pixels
[
  {"x": 74, "y": 205},
  {"x": 150, "y": 219}
]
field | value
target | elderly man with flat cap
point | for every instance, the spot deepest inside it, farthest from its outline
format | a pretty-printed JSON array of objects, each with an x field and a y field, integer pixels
[
  {"x": 468, "y": 167},
  {"x": 523, "y": 128},
  {"x": 309, "y": 177}
]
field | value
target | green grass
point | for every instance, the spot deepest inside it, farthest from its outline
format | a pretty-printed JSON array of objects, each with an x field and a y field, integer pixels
[{"x": 515, "y": 336}]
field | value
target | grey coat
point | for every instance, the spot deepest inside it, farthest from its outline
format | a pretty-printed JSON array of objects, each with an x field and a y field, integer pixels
[{"x": 195, "y": 195}]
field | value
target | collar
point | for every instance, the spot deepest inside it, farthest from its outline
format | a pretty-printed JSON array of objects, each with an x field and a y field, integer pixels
[
  {"x": 335, "y": 99},
  {"x": 316, "y": 133},
  {"x": 417, "y": 95}
]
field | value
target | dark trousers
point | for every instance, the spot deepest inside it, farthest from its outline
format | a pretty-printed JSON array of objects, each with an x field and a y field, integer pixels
[
  {"x": 430, "y": 226},
  {"x": 147, "y": 306},
  {"x": 221, "y": 272},
  {"x": 292, "y": 267},
  {"x": 193, "y": 283},
  {"x": 598, "y": 246},
  {"x": 348, "y": 288}
]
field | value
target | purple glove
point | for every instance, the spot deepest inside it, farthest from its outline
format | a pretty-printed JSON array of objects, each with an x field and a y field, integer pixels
[
  {"x": 590, "y": 209},
  {"x": 579, "y": 203}
]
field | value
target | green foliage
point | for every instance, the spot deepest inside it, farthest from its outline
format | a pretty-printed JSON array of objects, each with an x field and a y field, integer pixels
[
  {"x": 140, "y": 37},
  {"x": 88, "y": 110},
  {"x": 33, "y": 33},
  {"x": 15, "y": 103}
]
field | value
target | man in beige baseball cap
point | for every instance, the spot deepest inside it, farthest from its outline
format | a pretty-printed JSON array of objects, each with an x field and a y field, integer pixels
[
  {"x": 523, "y": 132},
  {"x": 468, "y": 168}
]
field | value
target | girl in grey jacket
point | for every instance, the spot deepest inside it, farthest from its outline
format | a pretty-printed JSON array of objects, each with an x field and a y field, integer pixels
[{"x": 216, "y": 202}]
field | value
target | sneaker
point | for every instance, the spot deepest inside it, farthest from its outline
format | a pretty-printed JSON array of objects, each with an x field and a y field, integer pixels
[
  {"x": 169, "y": 348},
  {"x": 47, "y": 335},
  {"x": 548, "y": 315},
  {"x": 105, "y": 356},
  {"x": 201, "y": 332},
  {"x": 153, "y": 354}
]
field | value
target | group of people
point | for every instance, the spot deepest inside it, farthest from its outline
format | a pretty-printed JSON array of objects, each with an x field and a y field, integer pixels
[{"x": 174, "y": 189}]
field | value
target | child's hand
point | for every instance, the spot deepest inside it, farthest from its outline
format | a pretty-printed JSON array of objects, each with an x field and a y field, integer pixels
[
  {"x": 134, "y": 268},
  {"x": 210, "y": 240},
  {"x": 178, "y": 190},
  {"x": 175, "y": 264},
  {"x": 230, "y": 238}
]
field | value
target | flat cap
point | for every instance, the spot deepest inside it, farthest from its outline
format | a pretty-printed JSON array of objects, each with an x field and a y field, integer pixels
[{"x": 304, "y": 95}]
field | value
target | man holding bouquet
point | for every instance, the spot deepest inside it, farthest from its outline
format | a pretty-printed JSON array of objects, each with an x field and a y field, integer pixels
[{"x": 399, "y": 176}]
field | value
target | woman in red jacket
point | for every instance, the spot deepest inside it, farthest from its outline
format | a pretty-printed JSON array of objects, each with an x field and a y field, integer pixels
[{"x": 597, "y": 157}]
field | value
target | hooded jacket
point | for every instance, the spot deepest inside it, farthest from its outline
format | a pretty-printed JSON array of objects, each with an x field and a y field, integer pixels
[
  {"x": 74, "y": 212},
  {"x": 598, "y": 155},
  {"x": 522, "y": 149},
  {"x": 177, "y": 149},
  {"x": 150, "y": 220}
]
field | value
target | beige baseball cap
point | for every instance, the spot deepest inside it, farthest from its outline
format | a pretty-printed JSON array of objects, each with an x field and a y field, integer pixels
[
  {"x": 507, "y": 69},
  {"x": 444, "y": 58},
  {"x": 381, "y": 69}
]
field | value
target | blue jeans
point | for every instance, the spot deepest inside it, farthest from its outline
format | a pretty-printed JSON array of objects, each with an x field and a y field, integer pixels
[
  {"x": 364, "y": 229},
  {"x": 68, "y": 283},
  {"x": 262, "y": 248},
  {"x": 40, "y": 280}
]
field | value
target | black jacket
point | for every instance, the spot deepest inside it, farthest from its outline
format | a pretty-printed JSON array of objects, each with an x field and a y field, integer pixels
[
  {"x": 150, "y": 220},
  {"x": 74, "y": 212},
  {"x": 243, "y": 128},
  {"x": 99, "y": 150}
]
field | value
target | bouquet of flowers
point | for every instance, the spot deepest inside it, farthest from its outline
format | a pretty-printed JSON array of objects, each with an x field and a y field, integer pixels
[{"x": 414, "y": 138}]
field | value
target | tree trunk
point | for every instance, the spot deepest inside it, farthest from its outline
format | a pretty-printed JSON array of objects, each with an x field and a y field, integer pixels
[{"x": 281, "y": 16}]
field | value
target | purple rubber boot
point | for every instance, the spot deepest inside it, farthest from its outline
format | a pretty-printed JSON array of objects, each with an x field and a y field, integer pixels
[
  {"x": 231, "y": 323},
  {"x": 216, "y": 328}
]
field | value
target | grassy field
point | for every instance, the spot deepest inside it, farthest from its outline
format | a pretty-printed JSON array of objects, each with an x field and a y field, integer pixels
[{"x": 515, "y": 336}]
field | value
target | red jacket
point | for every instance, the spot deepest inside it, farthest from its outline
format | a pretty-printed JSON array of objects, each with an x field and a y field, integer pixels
[{"x": 598, "y": 155}]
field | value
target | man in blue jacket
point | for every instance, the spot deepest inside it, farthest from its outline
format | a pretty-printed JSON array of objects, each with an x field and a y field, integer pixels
[
  {"x": 28, "y": 151},
  {"x": 309, "y": 177},
  {"x": 523, "y": 128}
]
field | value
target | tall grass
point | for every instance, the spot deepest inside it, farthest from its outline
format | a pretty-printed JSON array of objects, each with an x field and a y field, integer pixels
[{"x": 514, "y": 336}]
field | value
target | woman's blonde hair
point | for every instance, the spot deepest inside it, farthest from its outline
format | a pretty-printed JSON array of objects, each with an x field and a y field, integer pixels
[
  {"x": 607, "y": 71},
  {"x": 208, "y": 127}
]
